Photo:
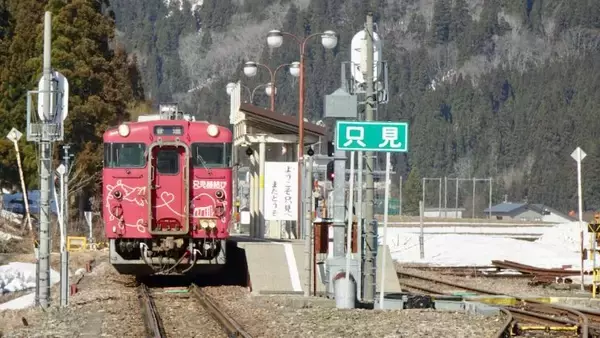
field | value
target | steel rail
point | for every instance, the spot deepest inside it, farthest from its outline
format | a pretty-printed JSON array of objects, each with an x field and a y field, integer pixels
[
  {"x": 421, "y": 288},
  {"x": 582, "y": 318},
  {"x": 152, "y": 321},
  {"x": 232, "y": 328},
  {"x": 506, "y": 330}
]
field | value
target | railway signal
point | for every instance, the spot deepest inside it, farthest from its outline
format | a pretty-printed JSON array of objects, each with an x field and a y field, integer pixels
[{"x": 330, "y": 172}]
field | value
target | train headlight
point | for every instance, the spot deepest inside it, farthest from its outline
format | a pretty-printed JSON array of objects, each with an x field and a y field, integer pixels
[
  {"x": 212, "y": 130},
  {"x": 212, "y": 224},
  {"x": 204, "y": 224},
  {"x": 124, "y": 130}
]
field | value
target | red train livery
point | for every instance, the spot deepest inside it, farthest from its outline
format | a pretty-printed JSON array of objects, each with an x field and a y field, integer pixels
[{"x": 167, "y": 195}]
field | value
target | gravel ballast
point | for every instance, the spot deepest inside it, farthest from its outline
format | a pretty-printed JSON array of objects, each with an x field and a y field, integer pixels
[
  {"x": 275, "y": 316},
  {"x": 107, "y": 306}
]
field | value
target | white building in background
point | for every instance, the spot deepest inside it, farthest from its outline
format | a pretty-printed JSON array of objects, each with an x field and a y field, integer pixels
[{"x": 443, "y": 212}]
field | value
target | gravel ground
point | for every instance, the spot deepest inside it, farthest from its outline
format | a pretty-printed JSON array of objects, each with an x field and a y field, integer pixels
[
  {"x": 182, "y": 316},
  {"x": 106, "y": 305},
  {"x": 277, "y": 316},
  {"x": 511, "y": 286}
]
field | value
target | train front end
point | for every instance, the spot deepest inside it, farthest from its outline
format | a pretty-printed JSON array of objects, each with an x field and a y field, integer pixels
[{"x": 167, "y": 196}]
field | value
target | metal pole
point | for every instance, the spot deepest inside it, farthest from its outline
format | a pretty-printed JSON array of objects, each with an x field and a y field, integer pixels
[
  {"x": 272, "y": 93},
  {"x": 350, "y": 219},
  {"x": 300, "y": 136},
  {"x": 580, "y": 207},
  {"x": 370, "y": 263},
  {"x": 446, "y": 197},
  {"x": 440, "y": 197},
  {"x": 307, "y": 232},
  {"x": 261, "y": 192},
  {"x": 359, "y": 225},
  {"x": 66, "y": 200},
  {"x": 473, "y": 211},
  {"x": 456, "y": 197},
  {"x": 386, "y": 199},
  {"x": 64, "y": 255},
  {"x": 338, "y": 202},
  {"x": 423, "y": 197},
  {"x": 253, "y": 195},
  {"x": 421, "y": 235},
  {"x": 490, "y": 204},
  {"x": 45, "y": 172},
  {"x": 401, "y": 187}
]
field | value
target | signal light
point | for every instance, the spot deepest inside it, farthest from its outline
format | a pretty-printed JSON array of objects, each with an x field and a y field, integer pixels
[
  {"x": 330, "y": 149},
  {"x": 330, "y": 173},
  {"x": 310, "y": 152}
]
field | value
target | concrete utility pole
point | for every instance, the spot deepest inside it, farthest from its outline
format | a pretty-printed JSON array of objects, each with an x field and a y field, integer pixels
[
  {"x": 370, "y": 264},
  {"x": 45, "y": 172},
  {"x": 47, "y": 127}
]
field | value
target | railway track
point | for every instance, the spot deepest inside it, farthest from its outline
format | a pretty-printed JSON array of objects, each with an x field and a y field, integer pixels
[
  {"x": 527, "y": 316},
  {"x": 154, "y": 304}
]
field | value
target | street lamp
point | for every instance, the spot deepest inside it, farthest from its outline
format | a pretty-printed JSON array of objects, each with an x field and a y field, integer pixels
[
  {"x": 251, "y": 69},
  {"x": 269, "y": 89},
  {"x": 275, "y": 40},
  {"x": 295, "y": 69},
  {"x": 231, "y": 85},
  {"x": 229, "y": 88}
]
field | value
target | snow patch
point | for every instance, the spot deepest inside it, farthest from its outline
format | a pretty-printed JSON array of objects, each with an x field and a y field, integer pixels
[
  {"x": 195, "y": 3},
  {"x": 558, "y": 246},
  {"x": 17, "y": 276}
]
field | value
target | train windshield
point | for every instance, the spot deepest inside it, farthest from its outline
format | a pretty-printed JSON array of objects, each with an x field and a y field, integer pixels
[
  {"x": 211, "y": 155},
  {"x": 124, "y": 155}
]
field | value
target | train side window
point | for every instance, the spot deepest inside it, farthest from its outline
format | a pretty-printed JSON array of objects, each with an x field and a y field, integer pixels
[
  {"x": 167, "y": 161},
  {"x": 124, "y": 155},
  {"x": 211, "y": 155}
]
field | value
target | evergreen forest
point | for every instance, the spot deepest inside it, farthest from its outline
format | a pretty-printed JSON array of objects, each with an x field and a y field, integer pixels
[{"x": 491, "y": 88}]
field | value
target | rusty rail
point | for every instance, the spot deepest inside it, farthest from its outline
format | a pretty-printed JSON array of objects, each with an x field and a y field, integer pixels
[
  {"x": 533, "y": 270},
  {"x": 232, "y": 328},
  {"x": 581, "y": 315},
  {"x": 506, "y": 330},
  {"x": 152, "y": 321}
]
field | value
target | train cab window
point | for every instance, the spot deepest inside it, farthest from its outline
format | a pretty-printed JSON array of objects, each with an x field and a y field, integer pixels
[
  {"x": 124, "y": 155},
  {"x": 167, "y": 161},
  {"x": 211, "y": 155}
]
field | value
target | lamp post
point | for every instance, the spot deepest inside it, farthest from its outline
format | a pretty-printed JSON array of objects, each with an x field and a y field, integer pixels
[
  {"x": 268, "y": 86},
  {"x": 251, "y": 69},
  {"x": 275, "y": 40}
]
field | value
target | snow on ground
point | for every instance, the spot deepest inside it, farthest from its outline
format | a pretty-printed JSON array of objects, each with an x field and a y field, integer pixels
[
  {"x": 18, "y": 276},
  {"x": 558, "y": 246}
]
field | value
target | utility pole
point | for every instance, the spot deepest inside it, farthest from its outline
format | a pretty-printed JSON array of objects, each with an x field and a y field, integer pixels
[
  {"x": 45, "y": 173},
  {"x": 370, "y": 263},
  {"x": 46, "y": 127}
]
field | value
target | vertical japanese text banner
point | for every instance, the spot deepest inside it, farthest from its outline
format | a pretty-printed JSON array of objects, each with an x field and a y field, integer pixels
[{"x": 281, "y": 191}]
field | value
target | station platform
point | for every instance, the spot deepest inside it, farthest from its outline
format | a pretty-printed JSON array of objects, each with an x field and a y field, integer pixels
[{"x": 278, "y": 266}]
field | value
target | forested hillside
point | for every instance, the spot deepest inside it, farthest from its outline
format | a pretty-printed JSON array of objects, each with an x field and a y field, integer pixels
[
  {"x": 104, "y": 82},
  {"x": 492, "y": 88},
  {"x": 503, "y": 89}
]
